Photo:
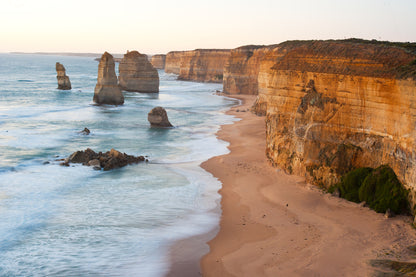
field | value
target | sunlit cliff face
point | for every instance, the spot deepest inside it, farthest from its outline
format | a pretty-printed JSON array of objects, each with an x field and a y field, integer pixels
[{"x": 322, "y": 122}]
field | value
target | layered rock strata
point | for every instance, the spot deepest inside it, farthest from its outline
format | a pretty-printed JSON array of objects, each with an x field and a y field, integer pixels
[
  {"x": 158, "y": 61},
  {"x": 107, "y": 90},
  {"x": 201, "y": 65},
  {"x": 173, "y": 62},
  {"x": 242, "y": 69},
  {"x": 137, "y": 74},
  {"x": 158, "y": 117},
  {"x": 332, "y": 106},
  {"x": 63, "y": 81}
]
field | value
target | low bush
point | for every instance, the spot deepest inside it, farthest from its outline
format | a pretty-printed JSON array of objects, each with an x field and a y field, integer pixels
[
  {"x": 379, "y": 188},
  {"x": 351, "y": 183}
]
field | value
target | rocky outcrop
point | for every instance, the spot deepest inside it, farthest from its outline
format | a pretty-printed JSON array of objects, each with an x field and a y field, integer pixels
[
  {"x": 242, "y": 69},
  {"x": 158, "y": 117},
  {"x": 63, "y": 80},
  {"x": 158, "y": 61},
  {"x": 106, "y": 161},
  {"x": 107, "y": 90},
  {"x": 332, "y": 106},
  {"x": 201, "y": 65},
  {"x": 137, "y": 74},
  {"x": 173, "y": 62}
]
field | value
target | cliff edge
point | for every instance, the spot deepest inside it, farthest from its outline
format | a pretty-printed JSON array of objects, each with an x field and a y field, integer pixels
[{"x": 332, "y": 106}]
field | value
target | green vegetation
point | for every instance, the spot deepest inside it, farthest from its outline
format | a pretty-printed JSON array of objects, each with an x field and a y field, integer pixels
[
  {"x": 397, "y": 268},
  {"x": 379, "y": 188},
  {"x": 219, "y": 77},
  {"x": 351, "y": 183}
]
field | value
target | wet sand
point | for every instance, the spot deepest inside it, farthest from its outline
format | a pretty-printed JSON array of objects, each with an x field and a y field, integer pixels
[{"x": 274, "y": 224}]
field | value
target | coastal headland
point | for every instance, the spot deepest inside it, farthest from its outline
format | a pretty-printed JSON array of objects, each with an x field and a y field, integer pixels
[{"x": 323, "y": 109}]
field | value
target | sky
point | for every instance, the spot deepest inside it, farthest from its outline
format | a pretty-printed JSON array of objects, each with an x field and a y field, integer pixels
[{"x": 160, "y": 26}]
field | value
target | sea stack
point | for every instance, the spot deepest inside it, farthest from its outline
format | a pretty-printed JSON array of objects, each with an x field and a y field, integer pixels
[
  {"x": 159, "y": 118},
  {"x": 63, "y": 80},
  {"x": 158, "y": 61},
  {"x": 137, "y": 74},
  {"x": 107, "y": 91}
]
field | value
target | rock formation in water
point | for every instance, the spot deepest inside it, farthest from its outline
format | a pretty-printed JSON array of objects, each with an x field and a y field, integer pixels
[
  {"x": 63, "y": 80},
  {"x": 332, "y": 106},
  {"x": 158, "y": 61},
  {"x": 202, "y": 65},
  {"x": 107, "y": 90},
  {"x": 108, "y": 160},
  {"x": 137, "y": 74},
  {"x": 158, "y": 117}
]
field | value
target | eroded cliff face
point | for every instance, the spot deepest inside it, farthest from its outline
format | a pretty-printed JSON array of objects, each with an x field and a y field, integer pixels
[
  {"x": 107, "y": 90},
  {"x": 158, "y": 61},
  {"x": 137, "y": 74},
  {"x": 331, "y": 107},
  {"x": 242, "y": 69},
  {"x": 173, "y": 62},
  {"x": 201, "y": 65}
]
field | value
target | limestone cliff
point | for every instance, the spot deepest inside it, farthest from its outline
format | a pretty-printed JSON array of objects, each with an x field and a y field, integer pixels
[
  {"x": 107, "y": 90},
  {"x": 242, "y": 69},
  {"x": 158, "y": 61},
  {"x": 173, "y": 62},
  {"x": 332, "y": 106},
  {"x": 63, "y": 81},
  {"x": 202, "y": 65},
  {"x": 137, "y": 74}
]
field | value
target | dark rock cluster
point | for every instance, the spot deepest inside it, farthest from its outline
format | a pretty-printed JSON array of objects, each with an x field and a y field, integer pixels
[{"x": 108, "y": 160}]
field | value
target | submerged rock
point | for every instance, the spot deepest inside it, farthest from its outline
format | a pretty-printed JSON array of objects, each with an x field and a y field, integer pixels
[
  {"x": 108, "y": 160},
  {"x": 86, "y": 131},
  {"x": 107, "y": 90},
  {"x": 63, "y": 80},
  {"x": 158, "y": 118}
]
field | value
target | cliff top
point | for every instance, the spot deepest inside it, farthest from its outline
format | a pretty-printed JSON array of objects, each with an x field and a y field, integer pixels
[
  {"x": 350, "y": 56},
  {"x": 134, "y": 54}
]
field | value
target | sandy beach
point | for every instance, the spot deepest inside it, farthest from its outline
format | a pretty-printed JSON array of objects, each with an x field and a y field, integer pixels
[{"x": 274, "y": 224}]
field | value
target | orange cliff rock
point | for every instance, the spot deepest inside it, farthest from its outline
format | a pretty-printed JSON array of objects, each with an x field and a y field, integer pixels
[
  {"x": 173, "y": 62},
  {"x": 158, "y": 61},
  {"x": 107, "y": 90},
  {"x": 332, "y": 106},
  {"x": 202, "y": 65},
  {"x": 242, "y": 69},
  {"x": 137, "y": 74}
]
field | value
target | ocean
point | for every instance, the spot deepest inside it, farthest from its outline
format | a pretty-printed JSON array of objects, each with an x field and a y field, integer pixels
[{"x": 76, "y": 221}]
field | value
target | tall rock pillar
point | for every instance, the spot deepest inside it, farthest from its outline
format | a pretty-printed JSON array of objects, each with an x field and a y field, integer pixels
[
  {"x": 107, "y": 90},
  {"x": 63, "y": 80}
]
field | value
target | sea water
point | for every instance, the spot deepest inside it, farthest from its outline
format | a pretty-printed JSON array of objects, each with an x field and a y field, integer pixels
[{"x": 76, "y": 221}]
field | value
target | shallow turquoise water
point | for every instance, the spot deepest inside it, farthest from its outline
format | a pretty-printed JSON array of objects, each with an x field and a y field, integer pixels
[{"x": 74, "y": 221}]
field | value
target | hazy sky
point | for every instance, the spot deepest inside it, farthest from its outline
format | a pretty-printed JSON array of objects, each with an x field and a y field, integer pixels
[{"x": 159, "y": 26}]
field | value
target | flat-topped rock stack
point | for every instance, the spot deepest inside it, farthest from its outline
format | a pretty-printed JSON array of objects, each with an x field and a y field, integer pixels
[{"x": 137, "y": 74}]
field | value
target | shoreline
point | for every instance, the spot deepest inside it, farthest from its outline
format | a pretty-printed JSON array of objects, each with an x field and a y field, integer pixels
[{"x": 274, "y": 224}]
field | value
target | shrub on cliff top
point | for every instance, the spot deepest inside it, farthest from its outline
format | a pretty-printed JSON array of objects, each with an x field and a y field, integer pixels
[{"x": 379, "y": 188}]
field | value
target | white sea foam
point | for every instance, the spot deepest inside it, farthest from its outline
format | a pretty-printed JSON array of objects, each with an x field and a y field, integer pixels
[{"x": 75, "y": 221}]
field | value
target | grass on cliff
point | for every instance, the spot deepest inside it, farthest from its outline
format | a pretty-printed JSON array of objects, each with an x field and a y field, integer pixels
[{"x": 379, "y": 188}]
